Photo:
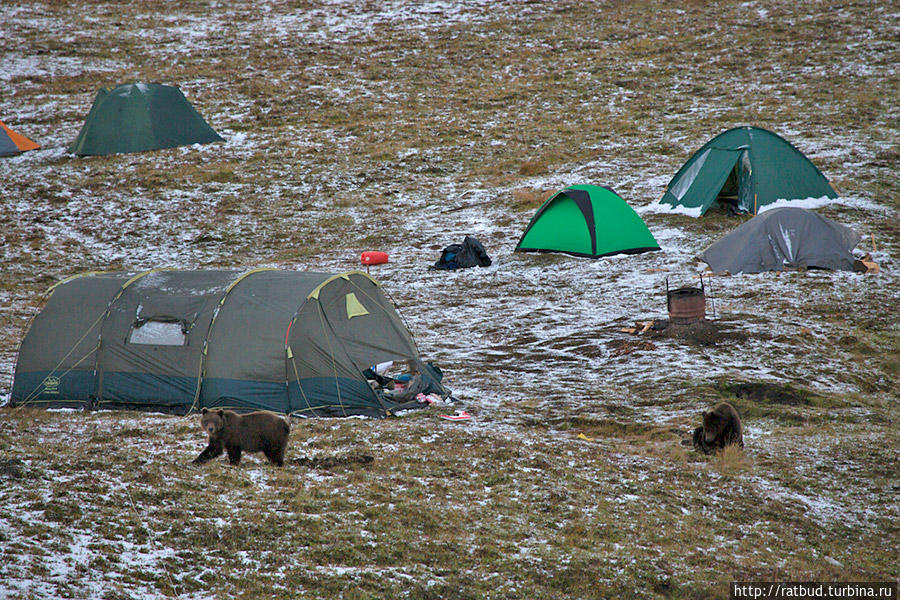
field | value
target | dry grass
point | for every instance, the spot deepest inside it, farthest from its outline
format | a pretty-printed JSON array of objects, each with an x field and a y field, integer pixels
[
  {"x": 533, "y": 167},
  {"x": 373, "y": 137},
  {"x": 524, "y": 199},
  {"x": 538, "y": 513},
  {"x": 732, "y": 462}
]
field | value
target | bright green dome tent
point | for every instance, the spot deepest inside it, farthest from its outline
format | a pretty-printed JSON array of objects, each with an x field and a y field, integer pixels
[
  {"x": 746, "y": 168},
  {"x": 586, "y": 220},
  {"x": 139, "y": 116}
]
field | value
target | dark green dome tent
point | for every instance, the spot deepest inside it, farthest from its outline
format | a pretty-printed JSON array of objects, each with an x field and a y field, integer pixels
[
  {"x": 746, "y": 168},
  {"x": 172, "y": 341},
  {"x": 141, "y": 116},
  {"x": 587, "y": 220}
]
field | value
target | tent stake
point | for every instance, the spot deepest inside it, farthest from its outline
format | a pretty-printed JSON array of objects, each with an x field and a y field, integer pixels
[{"x": 668, "y": 301}]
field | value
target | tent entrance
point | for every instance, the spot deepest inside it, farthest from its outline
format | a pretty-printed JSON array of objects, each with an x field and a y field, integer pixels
[
  {"x": 736, "y": 194},
  {"x": 729, "y": 191},
  {"x": 704, "y": 180}
]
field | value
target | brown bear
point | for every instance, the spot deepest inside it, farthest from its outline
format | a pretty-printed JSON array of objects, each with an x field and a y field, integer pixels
[
  {"x": 259, "y": 431},
  {"x": 721, "y": 427}
]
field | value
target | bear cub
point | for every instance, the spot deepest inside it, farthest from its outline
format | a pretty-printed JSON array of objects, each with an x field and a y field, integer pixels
[
  {"x": 228, "y": 431},
  {"x": 721, "y": 427}
]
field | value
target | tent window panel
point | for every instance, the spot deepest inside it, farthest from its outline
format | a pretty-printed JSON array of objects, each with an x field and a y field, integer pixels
[
  {"x": 355, "y": 308},
  {"x": 685, "y": 181},
  {"x": 158, "y": 333}
]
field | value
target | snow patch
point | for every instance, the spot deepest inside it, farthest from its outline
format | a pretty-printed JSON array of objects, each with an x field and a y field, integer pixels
[
  {"x": 659, "y": 207},
  {"x": 813, "y": 203}
]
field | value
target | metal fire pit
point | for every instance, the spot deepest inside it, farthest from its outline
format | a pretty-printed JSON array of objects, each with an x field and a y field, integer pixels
[{"x": 686, "y": 305}]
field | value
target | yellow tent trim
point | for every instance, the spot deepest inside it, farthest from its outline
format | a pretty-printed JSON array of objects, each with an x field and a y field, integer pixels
[
  {"x": 314, "y": 295},
  {"x": 355, "y": 308},
  {"x": 244, "y": 276},
  {"x": 68, "y": 279}
]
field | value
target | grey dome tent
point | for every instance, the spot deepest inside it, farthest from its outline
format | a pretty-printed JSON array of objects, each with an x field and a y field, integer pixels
[
  {"x": 746, "y": 168},
  {"x": 783, "y": 238},
  {"x": 172, "y": 341},
  {"x": 137, "y": 117}
]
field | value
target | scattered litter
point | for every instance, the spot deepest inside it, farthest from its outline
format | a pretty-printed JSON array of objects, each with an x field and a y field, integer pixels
[
  {"x": 702, "y": 332},
  {"x": 641, "y": 327},
  {"x": 429, "y": 398},
  {"x": 866, "y": 264},
  {"x": 408, "y": 383},
  {"x": 581, "y": 436},
  {"x": 460, "y": 415}
]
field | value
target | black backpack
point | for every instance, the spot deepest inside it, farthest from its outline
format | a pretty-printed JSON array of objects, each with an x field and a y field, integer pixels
[{"x": 462, "y": 256}]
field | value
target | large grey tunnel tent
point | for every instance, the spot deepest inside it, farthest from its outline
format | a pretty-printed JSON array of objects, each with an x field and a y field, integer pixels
[
  {"x": 171, "y": 341},
  {"x": 784, "y": 238}
]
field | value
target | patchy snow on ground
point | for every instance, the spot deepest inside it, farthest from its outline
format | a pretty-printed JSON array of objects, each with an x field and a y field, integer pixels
[
  {"x": 660, "y": 207},
  {"x": 807, "y": 203},
  {"x": 550, "y": 318},
  {"x": 531, "y": 338}
]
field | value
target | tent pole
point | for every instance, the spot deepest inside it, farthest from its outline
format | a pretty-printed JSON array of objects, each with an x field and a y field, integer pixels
[
  {"x": 201, "y": 370},
  {"x": 668, "y": 301},
  {"x": 98, "y": 368}
]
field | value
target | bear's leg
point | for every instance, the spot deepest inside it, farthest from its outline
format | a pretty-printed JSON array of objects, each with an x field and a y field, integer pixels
[
  {"x": 700, "y": 441},
  {"x": 234, "y": 454},
  {"x": 213, "y": 450},
  {"x": 273, "y": 453},
  {"x": 276, "y": 455}
]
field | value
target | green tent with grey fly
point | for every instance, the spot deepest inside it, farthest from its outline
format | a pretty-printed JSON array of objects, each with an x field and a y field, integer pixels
[
  {"x": 171, "y": 341},
  {"x": 744, "y": 169},
  {"x": 586, "y": 220},
  {"x": 141, "y": 116}
]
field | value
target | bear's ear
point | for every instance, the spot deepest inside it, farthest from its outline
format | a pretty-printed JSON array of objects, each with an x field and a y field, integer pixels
[{"x": 204, "y": 410}]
